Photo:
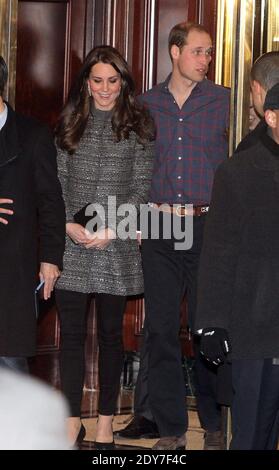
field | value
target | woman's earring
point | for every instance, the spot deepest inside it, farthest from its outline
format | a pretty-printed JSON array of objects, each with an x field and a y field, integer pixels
[{"x": 89, "y": 90}]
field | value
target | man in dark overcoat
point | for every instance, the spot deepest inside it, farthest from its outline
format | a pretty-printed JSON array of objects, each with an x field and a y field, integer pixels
[
  {"x": 31, "y": 208},
  {"x": 238, "y": 300}
]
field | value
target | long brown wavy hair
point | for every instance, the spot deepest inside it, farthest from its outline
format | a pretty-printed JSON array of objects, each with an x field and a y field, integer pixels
[{"x": 128, "y": 114}]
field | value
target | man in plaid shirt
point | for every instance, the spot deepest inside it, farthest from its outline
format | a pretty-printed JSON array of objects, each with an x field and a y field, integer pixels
[{"x": 192, "y": 118}]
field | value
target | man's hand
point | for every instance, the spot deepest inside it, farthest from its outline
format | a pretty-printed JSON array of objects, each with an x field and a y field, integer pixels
[
  {"x": 48, "y": 273},
  {"x": 5, "y": 211},
  {"x": 215, "y": 345}
]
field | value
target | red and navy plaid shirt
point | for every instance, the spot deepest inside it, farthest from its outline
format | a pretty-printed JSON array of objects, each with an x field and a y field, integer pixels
[{"x": 190, "y": 142}]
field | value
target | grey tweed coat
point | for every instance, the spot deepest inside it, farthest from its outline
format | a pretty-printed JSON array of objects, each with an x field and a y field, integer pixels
[{"x": 102, "y": 167}]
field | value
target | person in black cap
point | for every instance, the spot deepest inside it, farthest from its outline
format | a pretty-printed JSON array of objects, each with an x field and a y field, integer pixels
[
  {"x": 238, "y": 300},
  {"x": 263, "y": 76}
]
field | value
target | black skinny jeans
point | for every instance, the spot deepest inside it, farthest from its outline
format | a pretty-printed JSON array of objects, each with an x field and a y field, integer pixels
[{"x": 72, "y": 309}]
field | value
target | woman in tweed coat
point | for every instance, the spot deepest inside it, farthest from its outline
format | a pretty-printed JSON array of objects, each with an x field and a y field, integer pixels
[{"x": 105, "y": 153}]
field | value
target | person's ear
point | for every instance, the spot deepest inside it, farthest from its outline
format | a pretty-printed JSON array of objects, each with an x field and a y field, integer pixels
[
  {"x": 174, "y": 52},
  {"x": 271, "y": 118}
]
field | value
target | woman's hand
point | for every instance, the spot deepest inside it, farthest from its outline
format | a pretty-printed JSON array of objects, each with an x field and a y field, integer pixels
[
  {"x": 100, "y": 239},
  {"x": 77, "y": 233}
]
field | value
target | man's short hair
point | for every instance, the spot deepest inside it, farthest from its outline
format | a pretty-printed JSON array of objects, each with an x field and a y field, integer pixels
[
  {"x": 265, "y": 70},
  {"x": 179, "y": 33},
  {"x": 3, "y": 75}
]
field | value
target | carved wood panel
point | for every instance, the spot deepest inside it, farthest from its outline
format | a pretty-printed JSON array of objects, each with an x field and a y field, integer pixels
[{"x": 50, "y": 49}]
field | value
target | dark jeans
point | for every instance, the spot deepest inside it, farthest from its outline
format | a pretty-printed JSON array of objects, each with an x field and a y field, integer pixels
[
  {"x": 167, "y": 273},
  {"x": 73, "y": 308},
  {"x": 255, "y": 406},
  {"x": 17, "y": 364}
]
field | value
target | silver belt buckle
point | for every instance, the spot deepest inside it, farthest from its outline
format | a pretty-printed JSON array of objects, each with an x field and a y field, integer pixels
[
  {"x": 188, "y": 210},
  {"x": 178, "y": 211}
]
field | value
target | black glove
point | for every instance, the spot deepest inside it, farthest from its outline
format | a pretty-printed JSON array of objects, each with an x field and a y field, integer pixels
[{"x": 215, "y": 345}]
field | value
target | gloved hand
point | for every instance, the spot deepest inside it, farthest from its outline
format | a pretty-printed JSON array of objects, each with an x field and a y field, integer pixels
[{"x": 215, "y": 345}]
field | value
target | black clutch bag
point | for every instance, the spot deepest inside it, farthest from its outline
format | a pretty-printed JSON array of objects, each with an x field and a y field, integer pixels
[{"x": 82, "y": 219}]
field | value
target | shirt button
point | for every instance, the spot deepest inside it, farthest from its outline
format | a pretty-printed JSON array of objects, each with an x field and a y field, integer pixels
[
  {"x": 179, "y": 195},
  {"x": 180, "y": 119},
  {"x": 179, "y": 138},
  {"x": 179, "y": 177},
  {"x": 179, "y": 158}
]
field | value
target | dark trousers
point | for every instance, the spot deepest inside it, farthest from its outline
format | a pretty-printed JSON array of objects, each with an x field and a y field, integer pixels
[
  {"x": 205, "y": 377},
  {"x": 167, "y": 273},
  {"x": 206, "y": 382},
  {"x": 255, "y": 406},
  {"x": 72, "y": 308},
  {"x": 17, "y": 364}
]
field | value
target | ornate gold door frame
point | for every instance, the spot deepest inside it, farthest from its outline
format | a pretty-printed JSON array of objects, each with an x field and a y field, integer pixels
[
  {"x": 245, "y": 30},
  {"x": 8, "y": 33}
]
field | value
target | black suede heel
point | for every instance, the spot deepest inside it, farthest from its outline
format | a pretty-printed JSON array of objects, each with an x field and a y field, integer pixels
[{"x": 104, "y": 445}]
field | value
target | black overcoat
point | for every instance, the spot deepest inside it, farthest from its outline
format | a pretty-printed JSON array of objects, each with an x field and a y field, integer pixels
[
  {"x": 239, "y": 265},
  {"x": 28, "y": 175}
]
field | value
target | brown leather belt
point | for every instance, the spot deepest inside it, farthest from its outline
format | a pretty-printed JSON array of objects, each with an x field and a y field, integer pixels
[{"x": 180, "y": 210}]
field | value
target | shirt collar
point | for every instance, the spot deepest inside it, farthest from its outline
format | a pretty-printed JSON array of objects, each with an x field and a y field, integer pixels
[
  {"x": 3, "y": 116},
  {"x": 199, "y": 88}
]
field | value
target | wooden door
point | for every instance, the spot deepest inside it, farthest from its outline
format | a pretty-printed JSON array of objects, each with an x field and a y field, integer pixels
[{"x": 50, "y": 49}]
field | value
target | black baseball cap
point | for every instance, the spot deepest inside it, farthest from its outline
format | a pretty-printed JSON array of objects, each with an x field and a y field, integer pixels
[{"x": 272, "y": 98}]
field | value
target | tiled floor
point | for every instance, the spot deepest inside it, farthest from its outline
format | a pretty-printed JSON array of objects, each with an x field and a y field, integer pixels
[
  {"x": 124, "y": 410},
  {"x": 194, "y": 434}
]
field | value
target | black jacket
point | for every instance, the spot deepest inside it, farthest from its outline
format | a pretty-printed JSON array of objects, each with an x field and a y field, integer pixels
[
  {"x": 28, "y": 175},
  {"x": 239, "y": 264},
  {"x": 253, "y": 137}
]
